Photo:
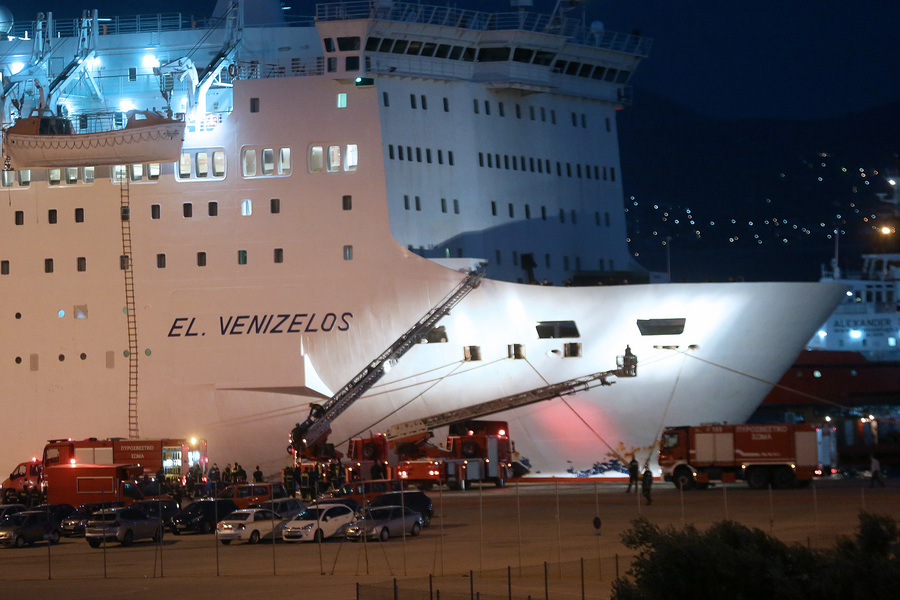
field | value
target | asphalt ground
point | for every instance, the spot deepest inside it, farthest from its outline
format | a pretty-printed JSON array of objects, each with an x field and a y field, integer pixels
[{"x": 509, "y": 540}]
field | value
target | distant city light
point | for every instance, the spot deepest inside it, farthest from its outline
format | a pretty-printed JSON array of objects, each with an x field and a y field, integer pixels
[
  {"x": 855, "y": 334},
  {"x": 150, "y": 61}
]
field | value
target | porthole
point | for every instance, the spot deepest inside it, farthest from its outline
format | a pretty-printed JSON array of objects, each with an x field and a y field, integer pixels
[
  {"x": 62, "y": 357},
  {"x": 18, "y": 315},
  {"x": 83, "y": 356},
  {"x": 18, "y": 360}
]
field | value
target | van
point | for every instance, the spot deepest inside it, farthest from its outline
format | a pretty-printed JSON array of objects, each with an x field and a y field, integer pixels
[
  {"x": 363, "y": 491},
  {"x": 245, "y": 494}
]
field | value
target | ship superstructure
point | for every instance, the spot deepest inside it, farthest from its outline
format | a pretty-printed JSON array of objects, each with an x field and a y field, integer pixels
[{"x": 323, "y": 160}]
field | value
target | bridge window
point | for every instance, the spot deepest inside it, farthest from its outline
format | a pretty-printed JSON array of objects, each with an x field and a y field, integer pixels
[
  {"x": 471, "y": 353},
  {"x": 516, "y": 351}
]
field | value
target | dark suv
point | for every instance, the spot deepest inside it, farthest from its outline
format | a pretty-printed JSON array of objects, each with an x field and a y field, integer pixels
[
  {"x": 202, "y": 515},
  {"x": 75, "y": 523},
  {"x": 413, "y": 499},
  {"x": 28, "y": 527}
]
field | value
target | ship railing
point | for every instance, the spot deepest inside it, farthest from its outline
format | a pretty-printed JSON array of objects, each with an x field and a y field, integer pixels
[
  {"x": 572, "y": 29},
  {"x": 118, "y": 25},
  {"x": 294, "y": 67}
]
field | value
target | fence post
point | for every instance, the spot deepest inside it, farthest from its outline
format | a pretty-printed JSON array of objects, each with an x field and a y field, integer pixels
[
  {"x": 509, "y": 582},
  {"x": 546, "y": 583},
  {"x": 582, "y": 578},
  {"x": 471, "y": 585},
  {"x": 395, "y": 588},
  {"x": 617, "y": 565},
  {"x": 357, "y": 590},
  {"x": 430, "y": 587}
]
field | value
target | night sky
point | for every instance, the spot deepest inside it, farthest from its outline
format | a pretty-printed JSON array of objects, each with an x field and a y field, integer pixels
[{"x": 766, "y": 58}]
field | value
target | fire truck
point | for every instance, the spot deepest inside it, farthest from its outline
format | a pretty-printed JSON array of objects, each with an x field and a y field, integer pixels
[
  {"x": 76, "y": 484},
  {"x": 475, "y": 450},
  {"x": 782, "y": 455},
  {"x": 405, "y": 448},
  {"x": 175, "y": 456}
]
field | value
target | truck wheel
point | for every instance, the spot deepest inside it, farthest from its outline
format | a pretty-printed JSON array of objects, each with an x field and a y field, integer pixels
[
  {"x": 94, "y": 543},
  {"x": 500, "y": 482},
  {"x": 128, "y": 538},
  {"x": 683, "y": 479},
  {"x": 758, "y": 478},
  {"x": 20, "y": 542},
  {"x": 158, "y": 536},
  {"x": 10, "y": 496},
  {"x": 254, "y": 537},
  {"x": 54, "y": 537},
  {"x": 416, "y": 528},
  {"x": 225, "y": 542},
  {"x": 385, "y": 535},
  {"x": 319, "y": 536},
  {"x": 783, "y": 478},
  {"x": 205, "y": 527}
]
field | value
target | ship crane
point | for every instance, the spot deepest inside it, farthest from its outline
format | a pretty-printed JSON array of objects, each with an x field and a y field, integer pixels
[
  {"x": 309, "y": 437},
  {"x": 408, "y": 437}
]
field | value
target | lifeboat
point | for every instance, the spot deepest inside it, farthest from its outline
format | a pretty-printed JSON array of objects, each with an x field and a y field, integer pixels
[{"x": 46, "y": 140}]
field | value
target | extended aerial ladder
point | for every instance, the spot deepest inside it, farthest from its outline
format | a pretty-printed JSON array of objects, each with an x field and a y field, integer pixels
[
  {"x": 411, "y": 434},
  {"x": 309, "y": 438}
]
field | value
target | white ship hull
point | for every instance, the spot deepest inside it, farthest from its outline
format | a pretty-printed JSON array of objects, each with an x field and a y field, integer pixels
[{"x": 234, "y": 346}]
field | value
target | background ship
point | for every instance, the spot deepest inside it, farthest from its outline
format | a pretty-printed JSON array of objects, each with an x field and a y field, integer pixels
[
  {"x": 337, "y": 179},
  {"x": 849, "y": 371}
]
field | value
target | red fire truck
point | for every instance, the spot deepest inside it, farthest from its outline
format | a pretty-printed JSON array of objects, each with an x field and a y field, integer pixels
[
  {"x": 175, "y": 456},
  {"x": 475, "y": 451},
  {"x": 782, "y": 455},
  {"x": 76, "y": 484}
]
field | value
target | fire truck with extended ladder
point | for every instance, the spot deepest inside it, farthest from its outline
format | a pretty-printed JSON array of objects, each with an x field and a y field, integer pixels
[
  {"x": 478, "y": 451},
  {"x": 475, "y": 450}
]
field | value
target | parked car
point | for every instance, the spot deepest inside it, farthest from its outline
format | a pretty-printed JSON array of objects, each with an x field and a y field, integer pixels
[
  {"x": 414, "y": 499},
  {"x": 11, "y": 509},
  {"x": 364, "y": 491},
  {"x": 123, "y": 525},
  {"x": 57, "y": 511},
  {"x": 202, "y": 515},
  {"x": 251, "y": 524},
  {"x": 383, "y": 522},
  {"x": 155, "y": 507},
  {"x": 245, "y": 494},
  {"x": 348, "y": 502},
  {"x": 318, "y": 522},
  {"x": 287, "y": 508},
  {"x": 75, "y": 523},
  {"x": 27, "y": 527}
]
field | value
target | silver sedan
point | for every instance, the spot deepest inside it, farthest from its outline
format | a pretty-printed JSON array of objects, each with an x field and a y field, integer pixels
[{"x": 385, "y": 521}]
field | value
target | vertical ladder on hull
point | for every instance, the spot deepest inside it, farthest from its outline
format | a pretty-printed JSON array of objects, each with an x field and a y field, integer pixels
[
  {"x": 125, "y": 207},
  {"x": 309, "y": 437}
]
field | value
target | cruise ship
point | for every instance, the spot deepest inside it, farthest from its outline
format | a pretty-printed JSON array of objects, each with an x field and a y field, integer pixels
[{"x": 338, "y": 177}]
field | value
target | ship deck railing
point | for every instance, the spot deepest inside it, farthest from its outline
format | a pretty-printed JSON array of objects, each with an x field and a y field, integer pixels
[{"x": 421, "y": 14}]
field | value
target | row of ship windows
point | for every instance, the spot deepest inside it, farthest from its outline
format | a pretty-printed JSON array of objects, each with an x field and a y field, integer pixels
[
  {"x": 187, "y": 210},
  {"x": 162, "y": 260},
  {"x": 205, "y": 164},
  {"x": 406, "y": 153},
  {"x": 416, "y": 203},
  {"x": 421, "y": 101},
  {"x": 526, "y": 56},
  {"x": 492, "y": 161}
]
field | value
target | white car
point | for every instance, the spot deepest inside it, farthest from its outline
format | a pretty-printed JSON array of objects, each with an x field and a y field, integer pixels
[
  {"x": 318, "y": 522},
  {"x": 251, "y": 524}
]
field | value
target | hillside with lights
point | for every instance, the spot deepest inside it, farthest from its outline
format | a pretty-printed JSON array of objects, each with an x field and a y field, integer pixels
[{"x": 711, "y": 200}]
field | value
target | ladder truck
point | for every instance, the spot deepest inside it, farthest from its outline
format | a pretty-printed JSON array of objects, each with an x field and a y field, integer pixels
[
  {"x": 309, "y": 439},
  {"x": 475, "y": 450}
]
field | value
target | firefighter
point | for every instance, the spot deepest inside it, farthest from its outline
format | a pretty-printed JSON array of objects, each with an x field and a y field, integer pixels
[
  {"x": 289, "y": 483},
  {"x": 634, "y": 471},
  {"x": 647, "y": 483}
]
